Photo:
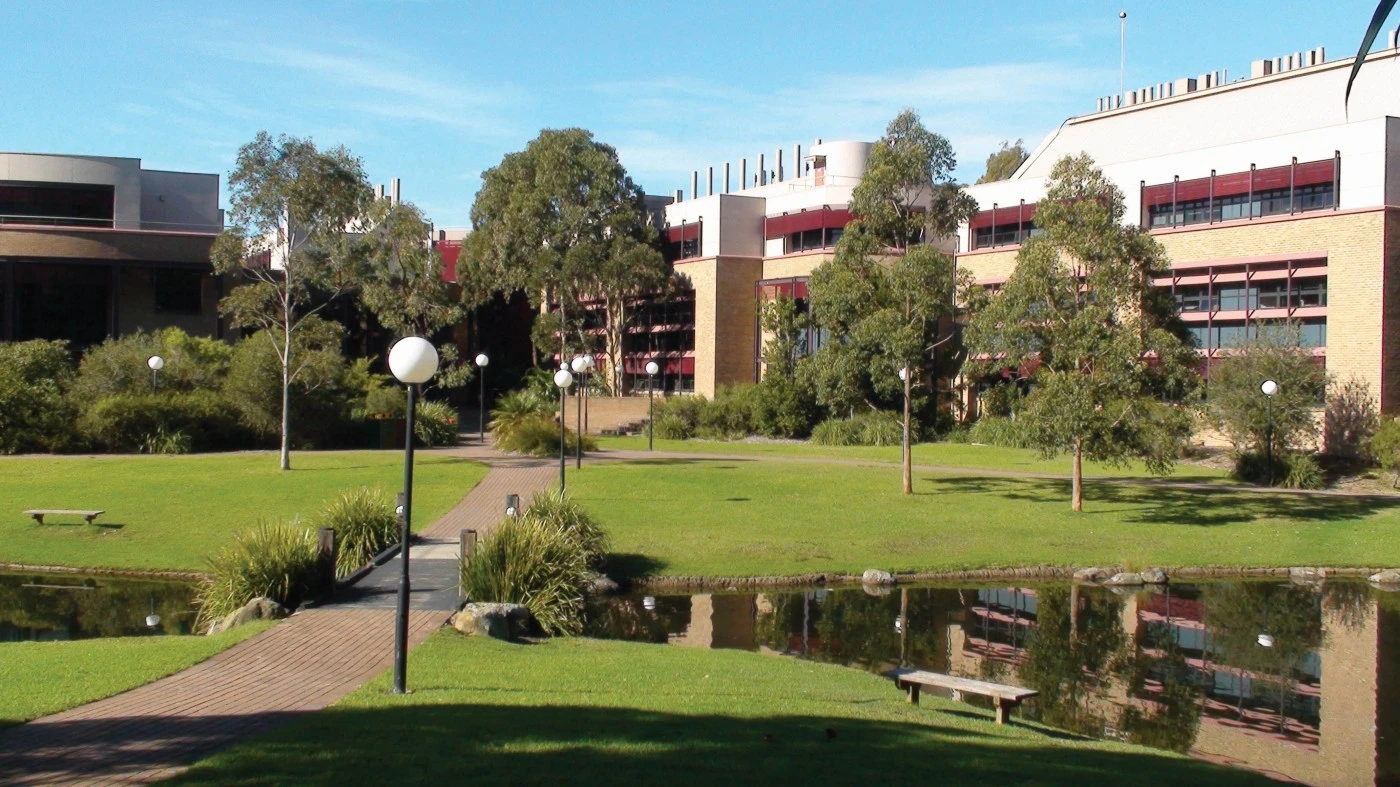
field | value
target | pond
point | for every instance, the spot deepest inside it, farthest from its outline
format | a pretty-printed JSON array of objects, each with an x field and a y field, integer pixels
[
  {"x": 58, "y": 606},
  {"x": 1301, "y": 681}
]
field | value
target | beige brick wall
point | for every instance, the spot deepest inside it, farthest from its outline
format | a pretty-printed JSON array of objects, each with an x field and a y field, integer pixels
[
  {"x": 105, "y": 245},
  {"x": 989, "y": 265},
  {"x": 796, "y": 266},
  {"x": 724, "y": 319},
  {"x": 608, "y": 412}
]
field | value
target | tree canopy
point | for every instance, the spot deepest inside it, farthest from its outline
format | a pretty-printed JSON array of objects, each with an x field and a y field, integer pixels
[
  {"x": 1113, "y": 368},
  {"x": 293, "y": 209},
  {"x": 1003, "y": 163}
]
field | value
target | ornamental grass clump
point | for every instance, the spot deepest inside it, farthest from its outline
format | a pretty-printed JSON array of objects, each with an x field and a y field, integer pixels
[
  {"x": 275, "y": 560},
  {"x": 538, "y": 435},
  {"x": 528, "y": 561},
  {"x": 364, "y": 525},
  {"x": 556, "y": 510}
]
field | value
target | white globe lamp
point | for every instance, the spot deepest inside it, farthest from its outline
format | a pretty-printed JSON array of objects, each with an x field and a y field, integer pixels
[
  {"x": 652, "y": 367},
  {"x": 413, "y": 360},
  {"x": 156, "y": 363}
]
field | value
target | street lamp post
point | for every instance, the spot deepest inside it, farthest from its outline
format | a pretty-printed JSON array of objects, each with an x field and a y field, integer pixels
[
  {"x": 563, "y": 379},
  {"x": 652, "y": 369},
  {"x": 1269, "y": 388},
  {"x": 481, "y": 363},
  {"x": 413, "y": 361},
  {"x": 580, "y": 366},
  {"x": 906, "y": 377},
  {"x": 156, "y": 363}
]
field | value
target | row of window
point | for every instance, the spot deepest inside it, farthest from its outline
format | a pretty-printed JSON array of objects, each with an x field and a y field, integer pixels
[
  {"x": 811, "y": 239},
  {"x": 1312, "y": 333},
  {"x": 1273, "y": 294},
  {"x": 1004, "y": 234},
  {"x": 65, "y": 205},
  {"x": 1275, "y": 202}
]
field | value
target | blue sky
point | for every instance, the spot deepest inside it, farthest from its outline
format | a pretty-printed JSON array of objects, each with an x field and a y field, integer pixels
[{"x": 436, "y": 92}]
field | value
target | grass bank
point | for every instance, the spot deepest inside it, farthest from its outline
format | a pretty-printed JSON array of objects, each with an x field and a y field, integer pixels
[
  {"x": 170, "y": 512},
  {"x": 39, "y": 678},
  {"x": 753, "y": 518},
  {"x": 582, "y": 711},
  {"x": 976, "y": 457}
]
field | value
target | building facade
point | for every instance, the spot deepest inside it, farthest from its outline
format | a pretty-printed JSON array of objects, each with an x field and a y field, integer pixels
[
  {"x": 92, "y": 247},
  {"x": 1273, "y": 200}
]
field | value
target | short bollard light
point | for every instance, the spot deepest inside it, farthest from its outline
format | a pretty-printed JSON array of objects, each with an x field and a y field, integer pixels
[
  {"x": 512, "y": 505},
  {"x": 649, "y": 602}
]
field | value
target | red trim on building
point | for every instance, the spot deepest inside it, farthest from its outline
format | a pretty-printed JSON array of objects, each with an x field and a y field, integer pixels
[
  {"x": 802, "y": 221},
  {"x": 683, "y": 233},
  {"x": 450, "y": 251}
]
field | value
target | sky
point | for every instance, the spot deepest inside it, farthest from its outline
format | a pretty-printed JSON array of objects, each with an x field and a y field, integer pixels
[{"x": 436, "y": 92}]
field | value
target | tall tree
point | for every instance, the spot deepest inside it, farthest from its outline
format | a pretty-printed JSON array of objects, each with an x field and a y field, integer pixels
[
  {"x": 547, "y": 218},
  {"x": 888, "y": 294},
  {"x": 404, "y": 285},
  {"x": 629, "y": 270},
  {"x": 294, "y": 208},
  {"x": 1002, "y": 164},
  {"x": 1112, "y": 363}
]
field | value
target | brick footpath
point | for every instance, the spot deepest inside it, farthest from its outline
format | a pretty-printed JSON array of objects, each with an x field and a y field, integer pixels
[{"x": 301, "y": 665}]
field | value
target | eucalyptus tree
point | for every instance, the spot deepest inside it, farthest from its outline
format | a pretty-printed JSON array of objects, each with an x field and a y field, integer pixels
[
  {"x": 1004, "y": 162},
  {"x": 404, "y": 286},
  {"x": 294, "y": 212},
  {"x": 1113, "y": 366},
  {"x": 561, "y": 220},
  {"x": 889, "y": 294}
]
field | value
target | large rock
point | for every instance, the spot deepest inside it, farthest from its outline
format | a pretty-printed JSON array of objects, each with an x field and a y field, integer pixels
[
  {"x": 1390, "y": 576},
  {"x": 1091, "y": 574},
  {"x": 874, "y": 576},
  {"x": 1124, "y": 579},
  {"x": 1307, "y": 573},
  {"x": 1154, "y": 576},
  {"x": 257, "y": 609},
  {"x": 503, "y": 621}
]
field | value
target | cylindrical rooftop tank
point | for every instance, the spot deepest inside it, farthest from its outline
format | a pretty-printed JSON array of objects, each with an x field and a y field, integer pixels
[{"x": 844, "y": 159}]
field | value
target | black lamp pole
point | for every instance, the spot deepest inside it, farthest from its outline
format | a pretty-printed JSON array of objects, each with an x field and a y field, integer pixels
[
  {"x": 1269, "y": 434},
  {"x": 481, "y": 408},
  {"x": 651, "y": 409},
  {"x": 563, "y": 399},
  {"x": 401, "y": 621},
  {"x": 578, "y": 422}
]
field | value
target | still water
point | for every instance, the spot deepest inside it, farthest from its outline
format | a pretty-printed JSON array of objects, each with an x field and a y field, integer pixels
[
  {"x": 52, "y": 606},
  {"x": 1298, "y": 681}
]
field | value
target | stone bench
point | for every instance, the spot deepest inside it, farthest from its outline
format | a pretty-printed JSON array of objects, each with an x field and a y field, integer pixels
[
  {"x": 1006, "y": 697},
  {"x": 40, "y": 513}
]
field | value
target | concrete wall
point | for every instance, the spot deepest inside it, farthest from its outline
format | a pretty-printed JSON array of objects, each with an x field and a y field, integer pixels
[
  {"x": 123, "y": 174},
  {"x": 180, "y": 201},
  {"x": 100, "y": 244}
]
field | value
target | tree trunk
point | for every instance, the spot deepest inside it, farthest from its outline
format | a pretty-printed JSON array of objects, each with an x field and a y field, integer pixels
[
  {"x": 908, "y": 449},
  {"x": 1077, "y": 491},
  {"x": 286, "y": 397}
]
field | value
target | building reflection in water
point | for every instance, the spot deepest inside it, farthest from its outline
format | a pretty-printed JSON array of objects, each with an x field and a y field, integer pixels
[{"x": 1182, "y": 667}]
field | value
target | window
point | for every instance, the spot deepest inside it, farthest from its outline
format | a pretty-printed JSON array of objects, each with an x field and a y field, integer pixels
[
  {"x": 1310, "y": 292},
  {"x": 177, "y": 291},
  {"x": 1273, "y": 202},
  {"x": 1314, "y": 334},
  {"x": 811, "y": 239},
  {"x": 62, "y": 205},
  {"x": 1236, "y": 297},
  {"x": 1004, "y": 234},
  {"x": 1193, "y": 299}
]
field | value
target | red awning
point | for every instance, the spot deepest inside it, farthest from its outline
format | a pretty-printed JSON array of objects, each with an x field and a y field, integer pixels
[
  {"x": 1004, "y": 216},
  {"x": 819, "y": 218},
  {"x": 683, "y": 232},
  {"x": 450, "y": 251},
  {"x": 1236, "y": 183},
  {"x": 669, "y": 366}
]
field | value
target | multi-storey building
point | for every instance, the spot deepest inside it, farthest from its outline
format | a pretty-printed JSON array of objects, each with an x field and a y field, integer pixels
[
  {"x": 93, "y": 246},
  {"x": 1273, "y": 199}
]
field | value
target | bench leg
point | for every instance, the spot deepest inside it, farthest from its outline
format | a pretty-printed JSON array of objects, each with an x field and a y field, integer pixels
[
  {"x": 38, "y": 518},
  {"x": 957, "y": 695},
  {"x": 1004, "y": 710},
  {"x": 89, "y": 519},
  {"x": 913, "y": 694}
]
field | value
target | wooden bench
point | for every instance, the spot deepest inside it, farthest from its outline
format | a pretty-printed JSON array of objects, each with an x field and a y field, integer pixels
[
  {"x": 40, "y": 513},
  {"x": 1006, "y": 697}
]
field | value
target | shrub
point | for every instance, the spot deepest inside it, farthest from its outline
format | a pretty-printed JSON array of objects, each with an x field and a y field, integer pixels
[
  {"x": 515, "y": 408},
  {"x": 539, "y": 436},
  {"x": 727, "y": 416},
  {"x": 1350, "y": 421},
  {"x": 1303, "y": 472},
  {"x": 273, "y": 560},
  {"x": 118, "y": 365},
  {"x": 435, "y": 424},
  {"x": 149, "y": 422},
  {"x": 669, "y": 426},
  {"x": 782, "y": 406},
  {"x": 1385, "y": 446},
  {"x": 554, "y": 509},
  {"x": 991, "y": 430},
  {"x": 384, "y": 402},
  {"x": 34, "y": 413},
  {"x": 1249, "y": 418},
  {"x": 526, "y": 561},
  {"x": 364, "y": 524},
  {"x": 837, "y": 431}
]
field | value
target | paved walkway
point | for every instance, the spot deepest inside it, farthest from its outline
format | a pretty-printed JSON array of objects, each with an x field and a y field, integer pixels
[{"x": 301, "y": 665}]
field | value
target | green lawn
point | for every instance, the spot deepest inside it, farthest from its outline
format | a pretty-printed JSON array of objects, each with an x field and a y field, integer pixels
[
  {"x": 977, "y": 457},
  {"x": 39, "y": 678},
  {"x": 714, "y": 517},
  {"x": 170, "y": 512},
  {"x": 581, "y": 711}
]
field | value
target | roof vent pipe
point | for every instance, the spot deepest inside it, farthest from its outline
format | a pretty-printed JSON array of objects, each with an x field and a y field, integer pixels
[
  {"x": 394, "y": 191},
  {"x": 762, "y": 173},
  {"x": 710, "y": 181},
  {"x": 726, "y": 177},
  {"x": 694, "y": 183},
  {"x": 743, "y": 174}
]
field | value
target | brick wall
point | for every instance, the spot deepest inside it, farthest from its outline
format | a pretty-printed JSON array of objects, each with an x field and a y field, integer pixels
[
  {"x": 105, "y": 245},
  {"x": 608, "y": 412},
  {"x": 724, "y": 319}
]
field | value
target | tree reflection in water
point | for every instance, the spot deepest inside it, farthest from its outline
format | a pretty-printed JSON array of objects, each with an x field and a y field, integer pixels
[{"x": 70, "y": 606}]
